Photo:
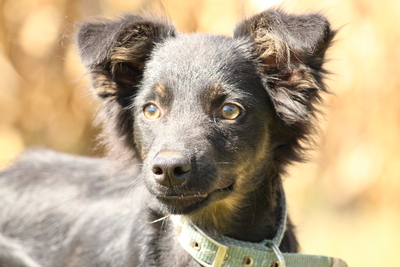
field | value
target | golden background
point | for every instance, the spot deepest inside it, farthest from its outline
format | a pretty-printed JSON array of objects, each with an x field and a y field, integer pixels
[{"x": 345, "y": 202}]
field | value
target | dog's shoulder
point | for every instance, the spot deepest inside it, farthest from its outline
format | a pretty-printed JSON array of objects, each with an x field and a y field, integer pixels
[{"x": 63, "y": 200}]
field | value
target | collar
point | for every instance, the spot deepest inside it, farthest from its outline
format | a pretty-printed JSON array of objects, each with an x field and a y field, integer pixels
[{"x": 228, "y": 252}]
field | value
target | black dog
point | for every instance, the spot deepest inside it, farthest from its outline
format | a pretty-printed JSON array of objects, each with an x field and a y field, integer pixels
[{"x": 198, "y": 125}]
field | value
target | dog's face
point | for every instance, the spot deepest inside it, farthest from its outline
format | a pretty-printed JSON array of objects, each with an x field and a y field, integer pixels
[
  {"x": 210, "y": 117},
  {"x": 201, "y": 120}
]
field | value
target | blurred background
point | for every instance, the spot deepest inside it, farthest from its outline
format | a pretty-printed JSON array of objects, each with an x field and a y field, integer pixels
[{"x": 345, "y": 202}]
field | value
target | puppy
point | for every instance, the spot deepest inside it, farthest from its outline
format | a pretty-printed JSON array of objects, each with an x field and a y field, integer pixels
[{"x": 196, "y": 125}]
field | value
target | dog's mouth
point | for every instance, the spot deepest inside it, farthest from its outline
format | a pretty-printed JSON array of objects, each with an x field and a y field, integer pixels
[{"x": 186, "y": 203}]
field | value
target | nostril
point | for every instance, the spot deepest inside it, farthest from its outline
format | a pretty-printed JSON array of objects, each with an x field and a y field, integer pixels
[
  {"x": 157, "y": 171},
  {"x": 171, "y": 168},
  {"x": 181, "y": 170}
]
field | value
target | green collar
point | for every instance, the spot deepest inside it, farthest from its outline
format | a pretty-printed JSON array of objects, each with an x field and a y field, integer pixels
[{"x": 228, "y": 252}]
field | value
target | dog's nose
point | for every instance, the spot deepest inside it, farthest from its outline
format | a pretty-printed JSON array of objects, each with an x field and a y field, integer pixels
[{"x": 171, "y": 168}]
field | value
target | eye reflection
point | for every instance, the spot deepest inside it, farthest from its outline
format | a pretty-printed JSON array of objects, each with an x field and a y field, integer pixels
[
  {"x": 230, "y": 111},
  {"x": 151, "y": 112}
]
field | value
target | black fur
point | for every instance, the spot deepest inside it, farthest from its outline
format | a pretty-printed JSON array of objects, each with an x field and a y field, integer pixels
[{"x": 224, "y": 173}]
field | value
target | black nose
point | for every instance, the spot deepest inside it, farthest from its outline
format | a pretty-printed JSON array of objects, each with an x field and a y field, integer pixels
[{"x": 171, "y": 168}]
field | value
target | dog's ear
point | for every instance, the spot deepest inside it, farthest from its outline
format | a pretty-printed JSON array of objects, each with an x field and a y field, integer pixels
[
  {"x": 291, "y": 50},
  {"x": 115, "y": 54}
]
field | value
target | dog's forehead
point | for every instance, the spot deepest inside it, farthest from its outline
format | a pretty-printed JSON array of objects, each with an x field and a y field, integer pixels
[{"x": 198, "y": 60}]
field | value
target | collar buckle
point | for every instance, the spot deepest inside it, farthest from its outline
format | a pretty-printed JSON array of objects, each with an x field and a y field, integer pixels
[{"x": 220, "y": 256}]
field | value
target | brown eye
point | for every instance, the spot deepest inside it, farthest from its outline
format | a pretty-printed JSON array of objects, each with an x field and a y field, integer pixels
[
  {"x": 230, "y": 111},
  {"x": 151, "y": 112}
]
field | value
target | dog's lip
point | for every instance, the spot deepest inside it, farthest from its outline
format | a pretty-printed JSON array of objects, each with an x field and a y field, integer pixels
[
  {"x": 225, "y": 187},
  {"x": 184, "y": 202},
  {"x": 186, "y": 196}
]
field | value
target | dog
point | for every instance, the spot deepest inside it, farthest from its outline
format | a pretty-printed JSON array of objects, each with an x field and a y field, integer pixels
[{"x": 195, "y": 125}]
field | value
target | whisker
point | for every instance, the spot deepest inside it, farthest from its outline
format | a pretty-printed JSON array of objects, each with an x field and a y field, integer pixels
[{"x": 161, "y": 219}]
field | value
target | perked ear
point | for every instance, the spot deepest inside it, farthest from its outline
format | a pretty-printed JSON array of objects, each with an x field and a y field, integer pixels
[
  {"x": 291, "y": 49},
  {"x": 115, "y": 53}
]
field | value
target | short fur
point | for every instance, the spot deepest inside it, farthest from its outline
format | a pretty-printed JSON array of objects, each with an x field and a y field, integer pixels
[{"x": 223, "y": 173}]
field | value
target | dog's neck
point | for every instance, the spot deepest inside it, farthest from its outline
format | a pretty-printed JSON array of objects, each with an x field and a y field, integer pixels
[{"x": 252, "y": 218}]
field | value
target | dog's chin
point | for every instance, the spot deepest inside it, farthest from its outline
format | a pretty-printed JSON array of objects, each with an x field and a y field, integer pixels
[{"x": 188, "y": 203}]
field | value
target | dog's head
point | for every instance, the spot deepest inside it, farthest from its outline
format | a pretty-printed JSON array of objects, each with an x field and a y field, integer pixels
[{"x": 210, "y": 117}]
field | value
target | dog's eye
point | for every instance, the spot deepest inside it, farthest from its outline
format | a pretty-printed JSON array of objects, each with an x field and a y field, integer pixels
[
  {"x": 151, "y": 112},
  {"x": 230, "y": 111}
]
